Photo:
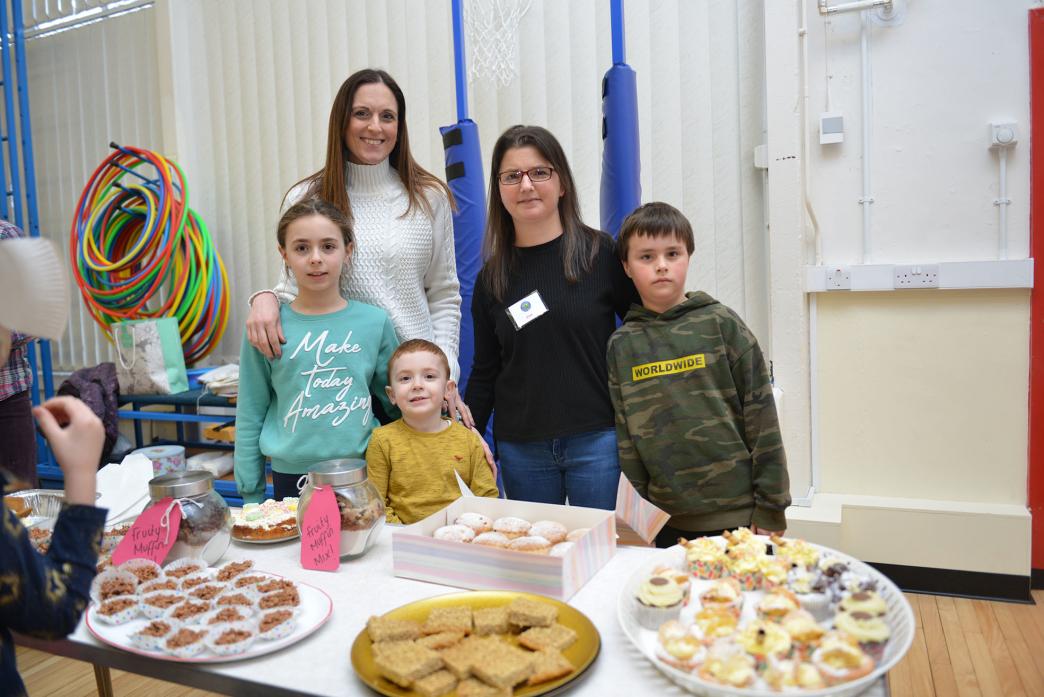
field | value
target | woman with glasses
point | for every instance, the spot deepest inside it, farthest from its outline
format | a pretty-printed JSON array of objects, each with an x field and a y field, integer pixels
[
  {"x": 545, "y": 304},
  {"x": 404, "y": 259}
]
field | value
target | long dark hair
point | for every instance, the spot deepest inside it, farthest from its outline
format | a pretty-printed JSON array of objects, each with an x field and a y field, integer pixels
[
  {"x": 579, "y": 241},
  {"x": 329, "y": 183}
]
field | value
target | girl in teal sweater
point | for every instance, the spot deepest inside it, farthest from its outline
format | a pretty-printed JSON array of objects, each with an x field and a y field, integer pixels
[{"x": 314, "y": 402}]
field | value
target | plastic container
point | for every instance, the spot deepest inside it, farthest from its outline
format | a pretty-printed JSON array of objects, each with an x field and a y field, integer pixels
[
  {"x": 206, "y": 523},
  {"x": 361, "y": 507}
]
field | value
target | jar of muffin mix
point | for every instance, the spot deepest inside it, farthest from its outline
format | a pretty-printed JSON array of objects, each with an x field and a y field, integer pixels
[
  {"x": 206, "y": 523},
  {"x": 361, "y": 507}
]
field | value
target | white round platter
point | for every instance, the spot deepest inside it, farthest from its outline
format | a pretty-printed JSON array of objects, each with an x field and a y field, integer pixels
[{"x": 900, "y": 619}]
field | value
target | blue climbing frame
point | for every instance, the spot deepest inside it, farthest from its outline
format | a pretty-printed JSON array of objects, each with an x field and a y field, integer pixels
[{"x": 18, "y": 183}]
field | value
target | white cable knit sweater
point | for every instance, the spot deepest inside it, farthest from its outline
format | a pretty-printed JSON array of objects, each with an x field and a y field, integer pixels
[{"x": 406, "y": 265}]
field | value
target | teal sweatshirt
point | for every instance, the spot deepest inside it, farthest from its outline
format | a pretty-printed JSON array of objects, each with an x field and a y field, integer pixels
[
  {"x": 313, "y": 403},
  {"x": 696, "y": 422}
]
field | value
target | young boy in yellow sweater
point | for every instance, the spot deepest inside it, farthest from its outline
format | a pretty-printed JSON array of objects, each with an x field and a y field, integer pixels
[{"x": 412, "y": 461}]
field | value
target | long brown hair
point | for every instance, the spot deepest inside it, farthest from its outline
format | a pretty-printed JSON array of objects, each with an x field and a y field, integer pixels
[
  {"x": 579, "y": 241},
  {"x": 329, "y": 182}
]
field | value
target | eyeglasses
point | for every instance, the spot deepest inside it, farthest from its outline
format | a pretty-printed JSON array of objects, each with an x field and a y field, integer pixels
[{"x": 535, "y": 174}]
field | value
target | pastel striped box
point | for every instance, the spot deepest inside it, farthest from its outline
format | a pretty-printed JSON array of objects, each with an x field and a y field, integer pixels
[{"x": 416, "y": 554}]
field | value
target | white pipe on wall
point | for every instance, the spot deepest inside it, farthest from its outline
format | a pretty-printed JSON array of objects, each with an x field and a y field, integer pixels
[
  {"x": 867, "y": 198},
  {"x": 1002, "y": 203},
  {"x": 817, "y": 242}
]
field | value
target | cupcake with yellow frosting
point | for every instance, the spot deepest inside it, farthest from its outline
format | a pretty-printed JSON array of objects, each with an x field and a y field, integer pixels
[
  {"x": 724, "y": 593},
  {"x": 840, "y": 659},
  {"x": 804, "y": 631},
  {"x": 764, "y": 640},
  {"x": 864, "y": 601},
  {"x": 682, "y": 578},
  {"x": 776, "y": 603},
  {"x": 871, "y": 631},
  {"x": 705, "y": 557},
  {"x": 774, "y": 572},
  {"x": 745, "y": 541},
  {"x": 728, "y": 664},
  {"x": 680, "y": 646},
  {"x": 738, "y": 536},
  {"x": 743, "y": 565},
  {"x": 795, "y": 551},
  {"x": 716, "y": 622},
  {"x": 659, "y": 599},
  {"x": 789, "y": 675}
]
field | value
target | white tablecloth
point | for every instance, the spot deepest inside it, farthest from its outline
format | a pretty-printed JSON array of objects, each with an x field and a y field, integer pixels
[{"x": 320, "y": 664}]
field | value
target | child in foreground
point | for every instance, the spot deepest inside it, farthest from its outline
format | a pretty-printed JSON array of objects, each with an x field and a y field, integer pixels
[
  {"x": 414, "y": 461},
  {"x": 314, "y": 402},
  {"x": 696, "y": 422}
]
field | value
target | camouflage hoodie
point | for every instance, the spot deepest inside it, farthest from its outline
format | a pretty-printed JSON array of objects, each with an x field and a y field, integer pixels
[{"x": 696, "y": 422}]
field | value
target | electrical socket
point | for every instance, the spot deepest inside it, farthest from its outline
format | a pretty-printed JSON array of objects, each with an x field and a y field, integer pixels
[
  {"x": 838, "y": 278},
  {"x": 917, "y": 276}
]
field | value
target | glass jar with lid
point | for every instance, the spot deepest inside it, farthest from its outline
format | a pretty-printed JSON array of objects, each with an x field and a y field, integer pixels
[
  {"x": 206, "y": 523},
  {"x": 360, "y": 506}
]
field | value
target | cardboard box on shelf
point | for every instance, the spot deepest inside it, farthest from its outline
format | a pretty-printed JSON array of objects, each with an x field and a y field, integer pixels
[{"x": 416, "y": 554}]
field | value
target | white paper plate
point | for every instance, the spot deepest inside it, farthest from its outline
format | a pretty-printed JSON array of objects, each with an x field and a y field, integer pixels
[
  {"x": 316, "y": 607},
  {"x": 900, "y": 619}
]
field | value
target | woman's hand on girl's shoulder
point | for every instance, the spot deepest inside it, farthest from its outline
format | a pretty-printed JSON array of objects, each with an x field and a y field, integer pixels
[{"x": 264, "y": 329}]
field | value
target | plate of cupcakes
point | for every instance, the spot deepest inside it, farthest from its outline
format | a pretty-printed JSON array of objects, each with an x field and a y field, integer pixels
[{"x": 748, "y": 616}]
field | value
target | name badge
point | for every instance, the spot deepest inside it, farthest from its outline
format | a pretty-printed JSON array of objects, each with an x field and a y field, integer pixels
[{"x": 527, "y": 309}]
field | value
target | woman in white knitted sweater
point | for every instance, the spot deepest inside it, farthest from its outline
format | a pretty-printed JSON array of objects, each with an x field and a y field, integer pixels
[{"x": 404, "y": 259}]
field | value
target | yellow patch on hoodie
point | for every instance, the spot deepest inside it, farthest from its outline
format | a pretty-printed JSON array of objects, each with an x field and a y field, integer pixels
[{"x": 682, "y": 364}]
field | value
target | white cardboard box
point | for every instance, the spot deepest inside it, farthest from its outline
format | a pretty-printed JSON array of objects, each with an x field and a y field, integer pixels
[{"x": 416, "y": 554}]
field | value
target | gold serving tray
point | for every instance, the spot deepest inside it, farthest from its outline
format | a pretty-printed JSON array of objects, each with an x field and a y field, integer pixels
[{"x": 581, "y": 654}]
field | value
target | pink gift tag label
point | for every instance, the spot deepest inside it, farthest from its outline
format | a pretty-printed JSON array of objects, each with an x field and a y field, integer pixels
[
  {"x": 152, "y": 534},
  {"x": 321, "y": 532}
]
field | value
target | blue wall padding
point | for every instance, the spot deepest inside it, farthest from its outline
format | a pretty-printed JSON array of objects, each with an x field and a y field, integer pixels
[
  {"x": 621, "y": 168},
  {"x": 464, "y": 176}
]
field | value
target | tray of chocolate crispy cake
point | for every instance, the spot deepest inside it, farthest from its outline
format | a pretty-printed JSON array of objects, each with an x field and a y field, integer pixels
[
  {"x": 476, "y": 643},
  {"x": 267, "y": 522},
  {"x": 187, "y": 611},
  {"x": 747, "y": 616}
]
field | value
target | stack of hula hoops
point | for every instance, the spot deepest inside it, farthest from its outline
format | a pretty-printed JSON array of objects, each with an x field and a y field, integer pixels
[{"x": 138, "y": 251}]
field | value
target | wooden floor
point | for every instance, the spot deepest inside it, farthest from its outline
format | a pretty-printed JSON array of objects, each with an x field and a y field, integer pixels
[{"x": 968, "y": 648}]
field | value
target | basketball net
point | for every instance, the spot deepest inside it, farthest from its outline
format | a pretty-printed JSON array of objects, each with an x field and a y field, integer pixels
[{"x": 491, "y": 32}]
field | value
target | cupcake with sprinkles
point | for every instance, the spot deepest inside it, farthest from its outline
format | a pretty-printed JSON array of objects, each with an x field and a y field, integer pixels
[
  {"x": 743, "y": 566},
  {"x": 705, "y": 557}
]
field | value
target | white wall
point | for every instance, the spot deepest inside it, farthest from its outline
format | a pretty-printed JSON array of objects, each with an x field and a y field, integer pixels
[
  {"x": 919, "y": 403},
  {"x": 938, "y": 79}
]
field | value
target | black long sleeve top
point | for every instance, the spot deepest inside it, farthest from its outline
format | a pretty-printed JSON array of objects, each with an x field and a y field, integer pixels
[
  {"x": 549, "y": 378},
  {"x": 44, "y": 595}
]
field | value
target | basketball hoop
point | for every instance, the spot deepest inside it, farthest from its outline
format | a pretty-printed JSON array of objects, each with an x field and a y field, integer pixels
[{"x": 491, "y": 27}]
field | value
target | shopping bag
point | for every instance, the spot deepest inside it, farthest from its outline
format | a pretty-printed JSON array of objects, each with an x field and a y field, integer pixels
[{"x": 150, "y": 360}]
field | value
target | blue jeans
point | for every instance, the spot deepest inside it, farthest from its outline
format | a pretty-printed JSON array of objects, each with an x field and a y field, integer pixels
[{"x": 583, "y": 468}]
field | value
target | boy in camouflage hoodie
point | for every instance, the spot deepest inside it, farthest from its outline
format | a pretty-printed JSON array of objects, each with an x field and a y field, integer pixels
[{"x": 696, "y": 422}]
